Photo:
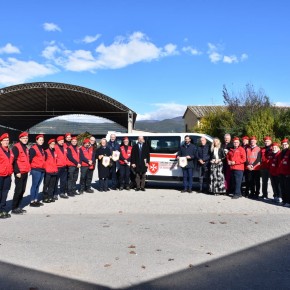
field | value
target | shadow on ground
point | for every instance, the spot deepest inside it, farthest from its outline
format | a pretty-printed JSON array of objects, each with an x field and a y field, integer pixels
[{"x": 265, "y": 266}]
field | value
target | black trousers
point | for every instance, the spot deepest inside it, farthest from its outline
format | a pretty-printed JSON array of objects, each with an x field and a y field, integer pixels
[
  {"x": 86, "y": 178},
  {"x": 73, "y": 174},
  {"x": 49, "y": 185},
  {"x": 20, "y": 186},
  {"x": 140, "y": 179},
  {"x": 285, "y": 187},
  {"x": 124, "y": 175},
  {"x": 275, "y": 182},
  {"x": 265, "y": 178},
  {"x": 5, "y": 184},
  {"x": 254, "y": 184},
  {"x": 103, "y": 183},
  {"x": 62, "y": 179},
  {"x": 113, "y": 175},
  {"x": 203, "y": 175}
]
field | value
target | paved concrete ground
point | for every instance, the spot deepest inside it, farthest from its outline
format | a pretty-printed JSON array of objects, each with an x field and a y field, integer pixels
[{"x": 158, "y": 239}]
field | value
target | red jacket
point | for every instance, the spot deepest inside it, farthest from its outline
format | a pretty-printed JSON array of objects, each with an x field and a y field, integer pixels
[
  {"x": 61, "y": 157},
  {"x": 51, "y": 162},
  {"x": 274, "y": 163},
  {"x": 253, "y": 157},
  {"x": 265, "y": 156},
  {"x": 75, "y": 155},
  {"x": 38, "y": 160},
  {"x": 6, "y": 167},
  {"x": 23, "y": 159},
  {"x": 124, "y": 154},
  {"x": 88, "y": 153},
  {"x": 284, "y": 163},
  {"x": 239, "y": 156}
]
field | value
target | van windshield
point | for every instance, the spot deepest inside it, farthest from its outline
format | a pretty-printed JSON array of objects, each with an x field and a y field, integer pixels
[{"x": 163, "y": 144}]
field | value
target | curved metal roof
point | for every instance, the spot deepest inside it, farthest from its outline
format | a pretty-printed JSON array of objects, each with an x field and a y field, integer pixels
[{"x": 23, "y": 106}]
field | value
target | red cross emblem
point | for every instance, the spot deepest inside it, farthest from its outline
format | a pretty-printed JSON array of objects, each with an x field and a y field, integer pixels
[{"x": 153, "y": 167}]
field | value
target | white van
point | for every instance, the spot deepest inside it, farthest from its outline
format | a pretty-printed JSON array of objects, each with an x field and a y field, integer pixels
[{"x": 164, "y": 147}]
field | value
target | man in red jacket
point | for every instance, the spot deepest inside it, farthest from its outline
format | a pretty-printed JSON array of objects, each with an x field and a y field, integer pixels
[
  {"x": 6, "y": 169},
  {"x": 274, "y": 170},
  {"x": 284, "y": 170},
  {"x": 21, "y": 167},
  {"x": 236, "y": 159},
  {"x": 253, "y": 168}
]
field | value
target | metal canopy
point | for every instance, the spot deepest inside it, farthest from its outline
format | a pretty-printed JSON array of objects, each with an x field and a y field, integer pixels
[{"x": 23, "y": 106}]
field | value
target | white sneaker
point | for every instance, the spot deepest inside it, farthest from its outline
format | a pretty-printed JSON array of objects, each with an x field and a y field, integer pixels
[{"x": 279, "y": 200}]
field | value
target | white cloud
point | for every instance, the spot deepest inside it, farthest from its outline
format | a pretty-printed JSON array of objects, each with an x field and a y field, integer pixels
[
  {"x": 163, "y": 111},
  {"x": 9, "y": 49},
  {"x": 230, "y": 59},
  {"x": 215, "y": 55},
  {"x": 90, "y": 39},
  {"x": 282, "y": 104},
  {"x": 49, "y": 26},
  {"x": 13, "y": 71},
  {"x": 191, "y": 50},
  {"x": 122, "y": 52}
]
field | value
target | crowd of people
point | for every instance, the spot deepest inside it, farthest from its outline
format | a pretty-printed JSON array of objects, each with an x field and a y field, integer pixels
[
  {"x": 234, "y": 167},
  {"x": 58, "y": 168},
  {"x": 237, "y": 167}
]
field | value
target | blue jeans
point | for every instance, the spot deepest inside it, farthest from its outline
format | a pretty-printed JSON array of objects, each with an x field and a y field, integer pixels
[
  {"x": 5, "y": 184},
  {"x": 236, "y": 181},
  {"x": 37, "y": 177},
  {"x": 187, "y": 178}
]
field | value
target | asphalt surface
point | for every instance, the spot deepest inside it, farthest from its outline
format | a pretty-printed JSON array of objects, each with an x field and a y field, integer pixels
[{"x": 158, "y": 239}]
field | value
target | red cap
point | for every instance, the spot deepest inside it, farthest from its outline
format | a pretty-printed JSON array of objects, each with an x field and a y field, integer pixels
[
  {"x": 4, "y": 136},
  {"x": 59, "y": 138},
  {"x": 285, "y": 140},
  {"x": 253, "y": 138},
  {"x": 74, "y": 138},
  {"x": 51, "y": 140},
  {"x": 87, "y": 140},
  {"x": 23, "y": 134},
  {"x": 276, "y": 144},
  {"x": 245, "y": 138},
  {"x": 236, "y": 139},
  {"x": 267, "y": 138},
  {"x": 67, "y": 134},
  {"x": 125, "y": 138},
  {"x": 39, "y": 136}
]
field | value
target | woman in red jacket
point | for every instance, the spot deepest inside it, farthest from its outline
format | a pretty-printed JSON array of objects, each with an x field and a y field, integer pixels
[
  {"x": 6, "y": 169},
  {"x": 50, "y": 172},
  {"x": 236, "y": 159},
  {"x": 274, "y": 158}
]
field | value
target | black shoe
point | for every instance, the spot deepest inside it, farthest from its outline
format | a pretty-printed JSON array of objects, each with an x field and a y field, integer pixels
[
  {"x": 137, "y": 189},
  {"x": 70, "y": 194},
  {"x": 46, "y": 200},
  {"x": 143, "y": 189},
  {"x": 3, "y": 215},
  {"x": 101, "y": 190},
  {"x": 17, "y": 211},
  {"x": 39, "y": 203},
  {"x": 62, "y": 195},
  {"x": 114, "y": 188},
  {"x": 34, "y": 204},
  {"x": 183, "y": 190},
  {"x": 128, "y": 187},
  {"x": 90, "y": 190},
  {"x": 78, "y": 193},
  {"x": 7, "y": 214},
  {"x": 189, "y": 191},
  {"x": 121, "y": 188},
  {"x": 55, "y": 197},
  {"x": 52, "y": 199},
  {"x": 23, "y": 210}
]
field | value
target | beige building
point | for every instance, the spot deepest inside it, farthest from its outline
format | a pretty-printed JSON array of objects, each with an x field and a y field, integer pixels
[{"x": 193, "y": 115}]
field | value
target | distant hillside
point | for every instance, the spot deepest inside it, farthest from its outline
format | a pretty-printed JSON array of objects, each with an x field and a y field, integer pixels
[
  {"x": 174, "y": 125},
  {"x": 63, "y": 126}
]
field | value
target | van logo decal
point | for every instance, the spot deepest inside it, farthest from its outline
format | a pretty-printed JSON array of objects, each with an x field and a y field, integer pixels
[{"x": 153, "y": 167}]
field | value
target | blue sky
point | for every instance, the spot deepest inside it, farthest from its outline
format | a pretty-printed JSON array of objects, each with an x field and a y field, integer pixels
[{"x": 156, "y": 57}]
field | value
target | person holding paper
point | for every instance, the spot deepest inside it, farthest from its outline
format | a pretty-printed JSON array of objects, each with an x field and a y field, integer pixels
[
  {"x": 140, "y": 160},
  {"x": 186, "y": 156},
  {"x": 103, "y": 155},
  {"x": 114, "y": 146}
]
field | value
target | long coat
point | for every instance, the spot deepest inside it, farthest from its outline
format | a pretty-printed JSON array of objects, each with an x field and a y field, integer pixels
[
  {"x": 139, "y": 159},
  {"x": 102, "y": 170}
]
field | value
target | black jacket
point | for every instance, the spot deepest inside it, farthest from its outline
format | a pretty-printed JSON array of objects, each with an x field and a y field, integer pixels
[
  {"x": 188, "y": 150},
  {"x": 138, "y": 158}
]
